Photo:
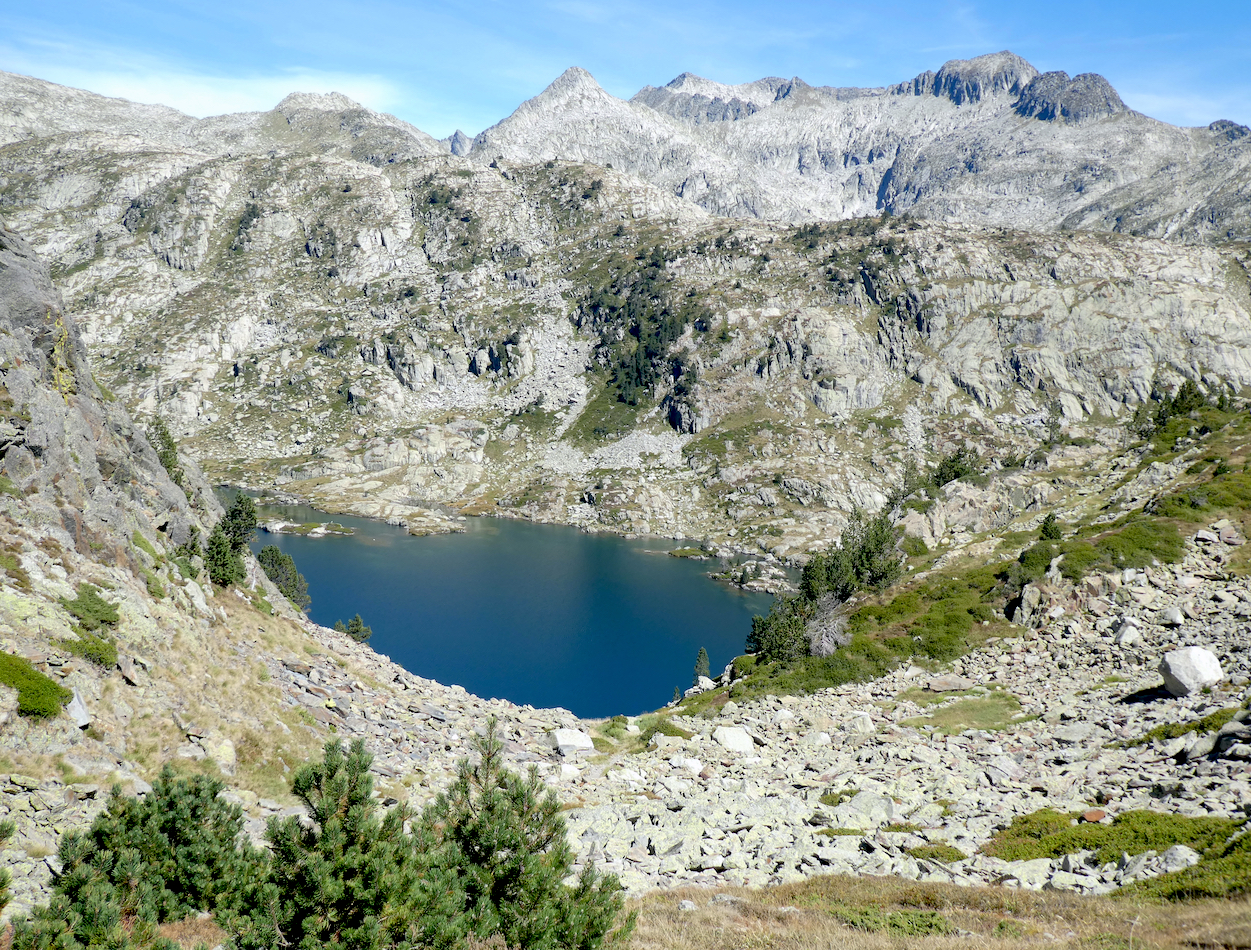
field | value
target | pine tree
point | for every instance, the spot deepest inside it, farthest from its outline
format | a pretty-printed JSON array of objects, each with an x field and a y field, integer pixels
[
  {"x": 701, "y": 666},
  {"x": 239, "y": 524},
  {"x": 344, "y": 879},
  {"x": 501, "y": 855},
  {"x": 280, "y": 568},
  {"x": 357, "y": 630},
  {"x": 677, "y": 695},
  {"x": 224, "y": 566}
]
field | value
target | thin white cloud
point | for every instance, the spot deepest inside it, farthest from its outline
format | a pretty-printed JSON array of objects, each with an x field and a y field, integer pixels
[
  {"x": 1187, "y": 110},
  {"x": 112, "y": 73}
]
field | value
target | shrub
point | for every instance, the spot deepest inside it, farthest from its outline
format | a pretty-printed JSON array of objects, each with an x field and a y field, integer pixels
[
  {"x": 1224, "y": 872},
  {"x": 37, "y": 695},
  {"x": 102, "y": 651},
  {"x": 178, "y": 851},
  {"x": 1050, "y": 529},
  {"x": 280, "y": 568},
  {"x": 959, "y": 464},
  {"x": 1049, "y": 834},
  {"x": 92, "y": 610}
]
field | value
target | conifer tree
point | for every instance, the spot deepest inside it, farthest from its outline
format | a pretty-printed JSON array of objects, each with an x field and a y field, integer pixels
[
  {"x": 6, "y": 832},
  {"x": 224, "y": 566},
  {"x": 500, "y": 855},
  {"x": 280, "y": 568},
  {"x": 239, "y": 524},
  {"x": 701, "y": 666}
]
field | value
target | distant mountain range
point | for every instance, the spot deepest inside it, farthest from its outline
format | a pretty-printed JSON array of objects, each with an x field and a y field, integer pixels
[{"x": 988, "y": 140}]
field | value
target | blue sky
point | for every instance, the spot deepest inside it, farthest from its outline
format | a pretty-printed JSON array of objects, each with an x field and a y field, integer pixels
[{"x": 468, "y": 63}]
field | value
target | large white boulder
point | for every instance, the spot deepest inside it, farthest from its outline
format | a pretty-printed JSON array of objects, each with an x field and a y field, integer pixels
[
  {"x": 733, "y": 739},
  {"x": 571, "y": 741},
  {"x": 1189, "y": 670}
]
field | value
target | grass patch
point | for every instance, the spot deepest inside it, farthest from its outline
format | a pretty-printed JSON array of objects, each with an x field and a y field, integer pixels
[
  {"x": 1224, "y": 872},
  {"x": 1172, "y": 730},
  {"x": 8, "y": 488},
  {"x": 841, "y": 832},
  {"x": 11, "y": 564},
  {"x": 900, "y": 923},
  {"x": 143, "y": 544},
  {"x": 942, "y": 853},
  {"x": 992, "y": 712},
  {"x": 37, "y": 695},
  {"x": 156, "y": 589},
  {"x": 836, "y": 797},
  {"x": 1047, "y": 833}
]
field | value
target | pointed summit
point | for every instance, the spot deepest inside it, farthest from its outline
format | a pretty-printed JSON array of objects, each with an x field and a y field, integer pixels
[{"x": 573, "y": 81}]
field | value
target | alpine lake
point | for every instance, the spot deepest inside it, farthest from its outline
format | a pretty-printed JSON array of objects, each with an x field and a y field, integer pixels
[{"x": 543, "y": 615}]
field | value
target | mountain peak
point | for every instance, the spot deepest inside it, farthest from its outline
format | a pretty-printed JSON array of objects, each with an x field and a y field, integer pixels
[
  {"x": 972, "y": 80},
  {"x": 1054, "y": 96},
  {"x": 318, "y": 101},
  {"x": 573, "y": 80}
]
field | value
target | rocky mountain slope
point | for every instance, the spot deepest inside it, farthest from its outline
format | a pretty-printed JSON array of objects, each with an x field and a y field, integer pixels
[
  {"x": 438, "y": 332},
  {"x": 982, "y": 141},
  {"x": 1055, "y": 710}
]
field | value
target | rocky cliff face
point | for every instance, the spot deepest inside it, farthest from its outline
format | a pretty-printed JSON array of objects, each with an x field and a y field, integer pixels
[{"x": 383, "y": 338}]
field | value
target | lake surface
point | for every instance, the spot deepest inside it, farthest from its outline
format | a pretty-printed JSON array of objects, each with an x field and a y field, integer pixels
[{"x": 538, "y": 614}]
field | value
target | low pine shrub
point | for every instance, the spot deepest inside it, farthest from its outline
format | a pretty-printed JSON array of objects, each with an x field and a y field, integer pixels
[{"x": 37, "y": 695}]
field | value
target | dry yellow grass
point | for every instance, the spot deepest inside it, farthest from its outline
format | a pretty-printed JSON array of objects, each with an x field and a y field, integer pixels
[{"x": 805, "y": 916}]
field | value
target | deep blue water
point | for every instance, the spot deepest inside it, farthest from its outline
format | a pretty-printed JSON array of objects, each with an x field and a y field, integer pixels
[{"x": 538, "y": 614}]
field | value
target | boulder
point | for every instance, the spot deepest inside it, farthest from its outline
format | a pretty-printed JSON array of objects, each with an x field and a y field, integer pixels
[
  {"x": 949, "y": 682},
  {"x": 1171, "y": 617},
  {"x": 571, "y": 741},
  {"x": 1189, "y": 670},
  {"x": 865, "y": 810},
  {"x": 861, "y": 725},
  {"x": 733, "y": 739},
  {"x": 77, "y": 710}
]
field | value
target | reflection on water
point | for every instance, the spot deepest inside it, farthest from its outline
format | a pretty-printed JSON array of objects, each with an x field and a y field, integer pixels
[{"x": 537, "y": 614}]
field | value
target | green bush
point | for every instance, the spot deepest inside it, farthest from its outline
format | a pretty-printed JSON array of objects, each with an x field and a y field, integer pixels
[
  {"x": 959, "y": 464},
  {"x": 92, "y": 610},
  {"x": 280, "y": 568},
  {"x": 1224, "y": 873},
  {"x": 102, "y": 651},
  {"x": 37, "y": 695},
  {"x": 1050, "y": 529}
]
